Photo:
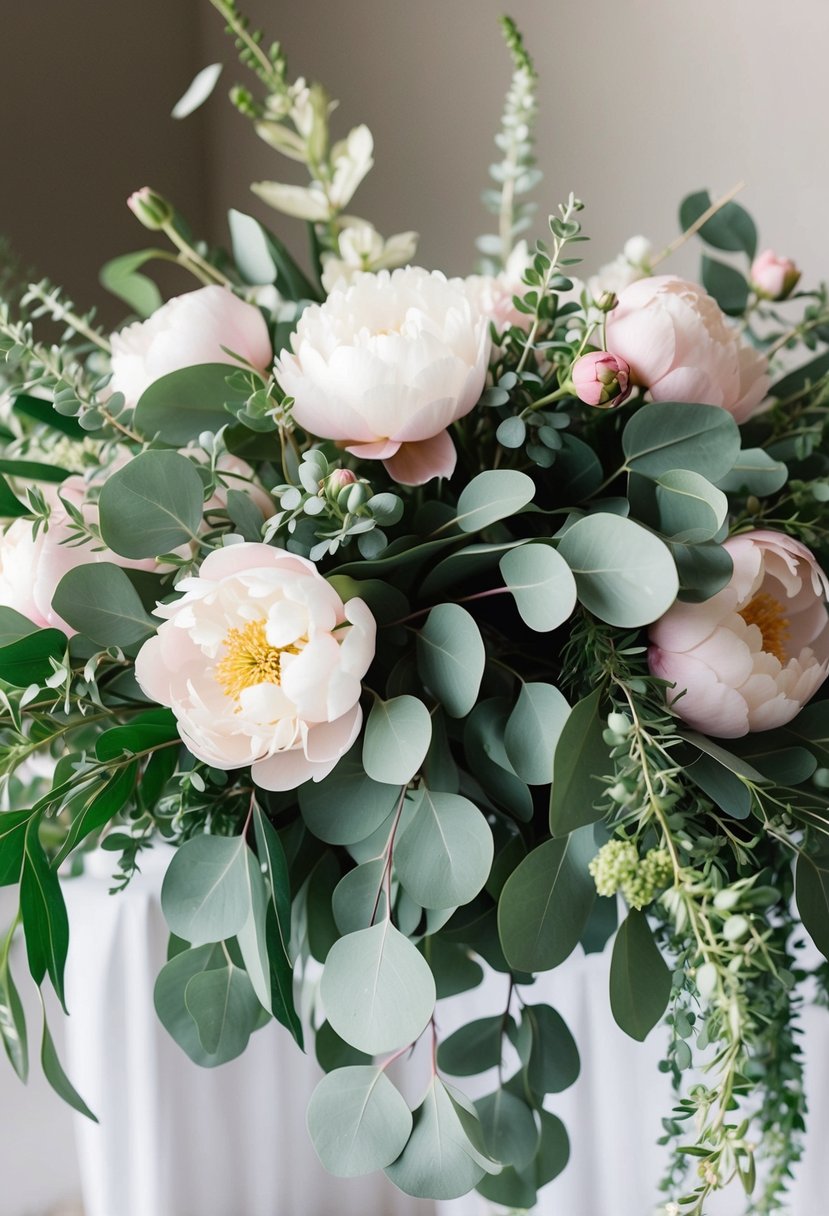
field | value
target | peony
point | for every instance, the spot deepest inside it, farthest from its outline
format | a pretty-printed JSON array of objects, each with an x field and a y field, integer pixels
[
  {"x": 189, "y": 329},
  {"x": 680, "y": 346},
  {"x": 493, "y": 294},
  {"x": 386, "y": 365},
  {"x": 773, "y": 277},
  {"x": 32, "y": 566},
  {"x": 261, "y": 663},
  {"x": 751, "y": 656},
  {"x": 601, "y": 379}
]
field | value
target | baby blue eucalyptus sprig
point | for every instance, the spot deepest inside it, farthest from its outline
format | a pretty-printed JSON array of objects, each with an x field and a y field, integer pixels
[{"x": 330, "y": 507}]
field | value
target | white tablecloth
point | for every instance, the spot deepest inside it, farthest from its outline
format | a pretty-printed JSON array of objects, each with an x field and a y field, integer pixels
[{"x": 177, "y": 1140}]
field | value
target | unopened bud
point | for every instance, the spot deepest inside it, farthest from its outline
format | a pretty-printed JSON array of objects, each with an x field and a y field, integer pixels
[
  {"x": 601, "y": 379},
  {"x": 607, "y": 301},
  {"x": 772, "y": 277},
  {"x": 150, "y": 208}
]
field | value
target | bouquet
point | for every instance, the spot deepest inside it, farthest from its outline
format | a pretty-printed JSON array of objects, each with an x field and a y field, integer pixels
[{"x": 437, "y": 623}]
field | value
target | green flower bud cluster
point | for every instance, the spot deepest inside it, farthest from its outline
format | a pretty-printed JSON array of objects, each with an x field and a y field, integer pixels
[
  {"x": 330, "y": 506},
  {"x": 618, "y": 867}
]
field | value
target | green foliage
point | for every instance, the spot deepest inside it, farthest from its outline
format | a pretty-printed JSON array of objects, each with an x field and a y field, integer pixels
[
  {"x": 101, "y": 603},
  {"x": 358, "y": 1121},
  {"x": 640, "y": 981},
  {"x": 152, "y": 505},
  {"x": 444, "y": 854}
]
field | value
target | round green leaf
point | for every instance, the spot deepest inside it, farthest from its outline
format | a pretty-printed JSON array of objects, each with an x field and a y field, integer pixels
[
  {"x": 224, "y": 1007},
  {"x": 444, "y": 1157},
  {"x": 755, "y": 472},
  {"x": 451, "y": 658},
  {"x": 398, "y": 733},
  {"x": 206, "y": 893},
  {"x": 359, "y": 897},
  {"x": 640, "y": 981},
  {"x": 554, "y": 1058},
  {"x": 542, "y": 584},
  {"x": 533, "y": 730},
  {"x": 377, "y": 989},
  {"x": 152, "y": 505},
  {"x": 625, "y": 575},
  {"x": 358, "y": 1121},
  {"x": 546, "y": 901},
  {"x": 179, "y": 406},
  {"x": 100, "y": 602},
  {"x": 691, "y": 509},
  {"x": 511, "y": 1134},
  {"x": 728, "y": 287},
  {"x": 668, "y": 435},
  {"x": 169, "y": 997},
  {"x": 473, "y": 1048},
  {"x": 492, "y": 495},
  {"x": 730, "y": 227},
  {"x": 346, "y": 806},
  {"x": 444, "y": 855}
]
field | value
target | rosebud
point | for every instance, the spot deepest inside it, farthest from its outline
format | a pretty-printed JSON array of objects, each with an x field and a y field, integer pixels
[
  {"x": 601, "y": 379},
  {"x": 150, "y": 208},
  {"x": 773, "y": 278}
]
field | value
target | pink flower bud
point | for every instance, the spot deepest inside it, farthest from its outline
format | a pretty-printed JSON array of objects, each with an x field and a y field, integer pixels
[
  {"x": 773, "y": 278},
  {"x": 338, "y": 479},
  {"x": 601, "y": 379},
  {"x": 150, "y": 208}
]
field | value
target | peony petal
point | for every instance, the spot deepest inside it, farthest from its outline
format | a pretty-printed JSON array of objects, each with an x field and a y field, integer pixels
[{"x": 417, "y": 463}]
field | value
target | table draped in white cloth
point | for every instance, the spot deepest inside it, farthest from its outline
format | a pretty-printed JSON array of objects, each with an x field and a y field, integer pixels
[{"x": 178, "y": 1140}]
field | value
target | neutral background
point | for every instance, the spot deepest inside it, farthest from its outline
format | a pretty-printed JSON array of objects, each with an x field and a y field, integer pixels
[{"x": 641, "y": 102}]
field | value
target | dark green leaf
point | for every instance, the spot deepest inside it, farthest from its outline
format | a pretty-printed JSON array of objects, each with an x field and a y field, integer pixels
[
  {"x": 57, "y": 1078},
  {"x": 812, "y": 895},
  {"x": 728, "y": 287},
  {"x": 28, "y": 660},
  {"x": 46, "y": 414},
  {"x": 152, "y": 505},
  {"x": 473, "y": 1048},
  {"x": 554, "y": 1058},
  {"x": 731, "y": 228},
  {"x": 100, "y": 602},
  {"x": 45, "y": 923},
  {"x": 13, "y": 1020},
  {"x": 546, "y": 901},
  {"x": 179, "y": 406},
  {"x": 640, "y": 981},
  {"x": 581, "y": 759}
]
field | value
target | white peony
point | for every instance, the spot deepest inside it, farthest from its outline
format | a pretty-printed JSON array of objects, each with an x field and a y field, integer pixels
[
  {"x": 261, "y": 663},
  {"x": 386, "y": 365},
  {"x": 189, "y": 329}
]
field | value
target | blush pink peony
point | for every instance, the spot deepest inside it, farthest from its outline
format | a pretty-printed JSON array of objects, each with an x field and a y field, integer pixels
[
  {"x": 601, "y": 379},
  {"x": 261, "y": 662},
  {"x": 386, "y": 365},
  {"x": 681, "y": 347},
  {"x": 750, "y": 657},
  {"x": 189, "y": 329}
]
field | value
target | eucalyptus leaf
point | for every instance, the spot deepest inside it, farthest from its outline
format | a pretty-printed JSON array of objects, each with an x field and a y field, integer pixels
[
  {"x": 546, "y": 901},
  {"x": 554, "y": 1063},
  {"x": 223, "y": 1005},
  {"x": 541, "y": 583},
  {"x": 451, "y": 658},
  {"x": 511, "y": 1134},
  {"x": 377, "y": 989},
  {"x": 180, "y": 405},
  {"x": 172, "y": 1010},
  {"x": 581, "y": 759},
  {"x": 152, "y": 505},
  {"x": 440, "y": 1161},
  {"x": 346, "y": 806},
  {"x": 398, "y": 733},
  {"x": 666, "y": 435},
  {"x": 533, "y": 731},
  {"x": 444, "y": 854},
  {"x": 358, "y": 1121},
  {"x": 205, "y": 896},
  {"x": 359, "y": 897},
  {"x": 624, "y": 574},
  {"x": 492, "y": 495},
  {"x": 640, "y": 981},
  {"x": 812, "y": 896},
  {"x": 755, "y": 472},
  {"x": 99, "y": 601},
  {"x": 474, "y": 1047},
  {"x": 730, "y": 228},
  {"x": 728, "y": 287},
  {"x": 121, "y": 277}
]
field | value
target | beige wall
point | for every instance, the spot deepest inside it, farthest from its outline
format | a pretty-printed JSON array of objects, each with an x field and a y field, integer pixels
[{"x": 641, "y": 101}]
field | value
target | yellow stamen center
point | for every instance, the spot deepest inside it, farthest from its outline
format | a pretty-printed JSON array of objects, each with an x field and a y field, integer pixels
[
  {"x": 250, "y": 659},
  {"x": 766, "y": 613}
]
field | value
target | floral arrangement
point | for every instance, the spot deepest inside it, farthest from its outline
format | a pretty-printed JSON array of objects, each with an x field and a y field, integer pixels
[{"x": 435, "y": 622}]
